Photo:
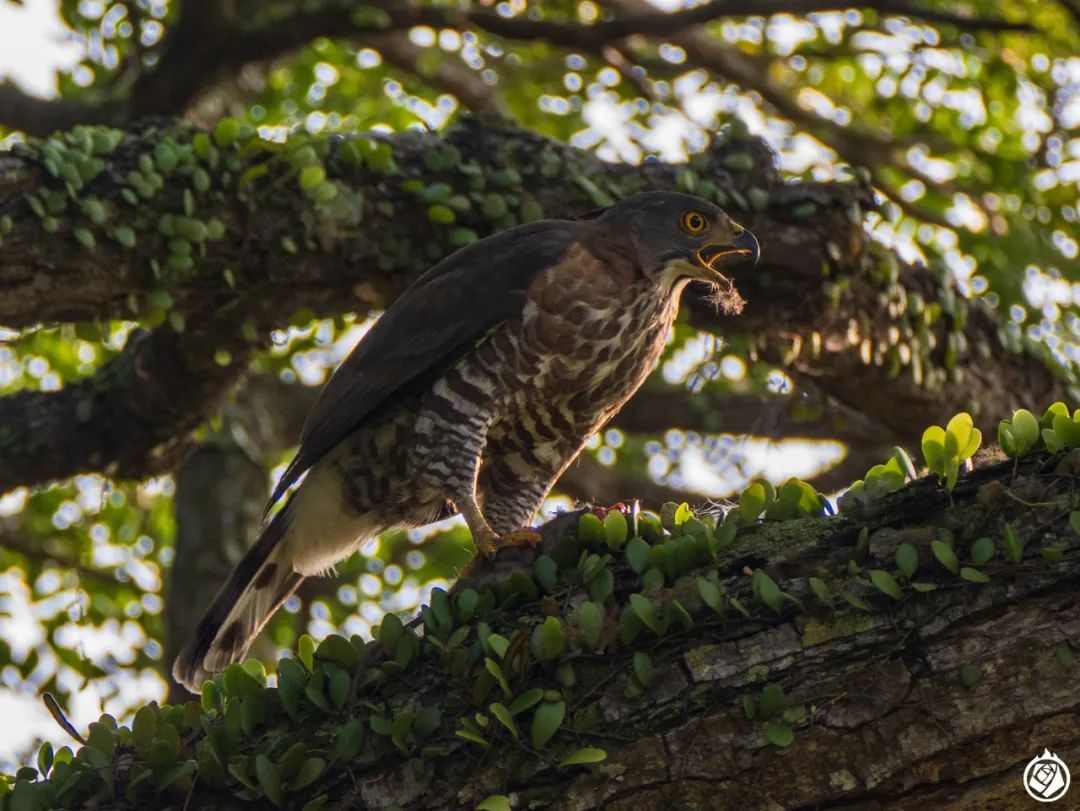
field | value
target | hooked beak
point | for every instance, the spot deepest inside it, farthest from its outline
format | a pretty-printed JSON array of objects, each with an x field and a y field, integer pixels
[{"x": 743, "y": 247}]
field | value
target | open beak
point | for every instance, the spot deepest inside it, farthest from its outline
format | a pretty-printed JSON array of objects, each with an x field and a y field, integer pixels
[{"x": 744, "y": 247}]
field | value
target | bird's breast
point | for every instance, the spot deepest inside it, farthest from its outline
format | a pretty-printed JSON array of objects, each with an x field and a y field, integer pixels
[{"x": 589, "y": 335}]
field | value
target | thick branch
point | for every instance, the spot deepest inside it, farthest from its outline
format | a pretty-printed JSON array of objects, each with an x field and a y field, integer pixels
[
  {"x": 259, "y": 254},
  {"x": 130, "y": 419},
  {"x": 37, "y": 116},
  {"x": 891, "y": 701}
]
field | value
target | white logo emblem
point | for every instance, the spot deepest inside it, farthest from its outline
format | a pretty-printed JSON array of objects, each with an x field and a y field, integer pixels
[{"x": 1046, "y": 778}]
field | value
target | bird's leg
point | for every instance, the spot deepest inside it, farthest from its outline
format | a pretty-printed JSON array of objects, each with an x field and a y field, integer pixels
[{"x": 484, "y": 536}]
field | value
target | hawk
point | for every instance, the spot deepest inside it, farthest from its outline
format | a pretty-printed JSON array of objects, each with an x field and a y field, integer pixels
[{"x": 473, "y": 392}]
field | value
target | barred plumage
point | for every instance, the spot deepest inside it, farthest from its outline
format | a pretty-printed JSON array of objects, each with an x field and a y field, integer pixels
[{"x": 473, "y": 393}]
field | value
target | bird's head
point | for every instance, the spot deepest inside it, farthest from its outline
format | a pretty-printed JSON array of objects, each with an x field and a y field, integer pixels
[{"x": 679, "y": 238}]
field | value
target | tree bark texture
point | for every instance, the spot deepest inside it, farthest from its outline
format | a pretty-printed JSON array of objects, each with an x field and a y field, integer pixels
[
  {"x": 214, "y": 240},
  {"x": 896, "y": 701}
]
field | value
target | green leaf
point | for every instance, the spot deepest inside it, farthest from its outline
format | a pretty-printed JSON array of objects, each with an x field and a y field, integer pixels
[
  {"x": 269, "y": 779},
  {"x": 406, "y": 648},
  {"x": 652, "y": 580},
  {"x": 1074, "y": 521},
  {"x": 674, "y": 613},
  {"x": 505, "y": 717},
  {"x": 548, "y": 718},
  {"x": 496, "y": 802},
  {"x": 924, "y": 587},
  {"x": 945, "y": 556},
  {"x": 751, "y": 502},
  {"x": 549, "y": 641},
  {"x": 399, "y": 728},
  {"x": 973, "y": 575},
  {"x": 602, "y": 586},
  {"x": 310, "y": 771},
  {"x": 305, "y": 651},
  {"x": 933, "y": 449},
  {"x": 683, "y": 513},
  {"x": 390, "y": 632},
  {"x": 1052, "y": 554},
  {"x": 591, "y": 530},
  {"x": 547, "y": 572},
  {"x": 498, "y": 643},
  {"x": 590, "y": 620},
  {"x": 982, "y": 551},
  {"x": 962, "y": 433},
  {"x": 637, "y": 554},
  {"x": 1025, "y": 429},
  {"x": 736, "y": 603},
  {"x": 311, "y": 176},
  {"x": 526, "y": 701},
  {"x": 1007, "y": 439},
  {"x": 615, "y": 529},
  {"x": 772, "y": 701},
  {"x": 1013, "y": 546},
  {"x": 495, "y": 670},
  {"x": 779, "y": 734},
  {"x": 821, "y": 589},
  {"x": 644, "y": 611},
  {"x": 440, "y": 214},
  {"x": 886, "y": 583},
  {"x": 643, "y": 668},
  {"x": 710, "y": 595},
  {"x": 45, "y": 758},
  {"x": 957, "y": 432},
  {"x": 768, "y": 592},
  {"x": 467, "y": 602},
  {"x": 177, "y": 773},
  {"x": 427, "y": 721},
  {"x": 855, "y": 601},
  {"x": 473, "y": 736},
  {"x": 582, "y": 757},
  {"x": 349, "y": 740},
  {"x": 336, "y": 648},
  {"x": 907, "y": 559}
]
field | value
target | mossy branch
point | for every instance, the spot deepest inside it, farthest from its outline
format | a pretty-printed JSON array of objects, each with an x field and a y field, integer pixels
[
  {"x": 664, "y": 663},
  {"x": 175, "y": 227}
]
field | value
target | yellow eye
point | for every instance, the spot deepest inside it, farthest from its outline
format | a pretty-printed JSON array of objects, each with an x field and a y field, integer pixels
[{"x": 693, "y": 222}]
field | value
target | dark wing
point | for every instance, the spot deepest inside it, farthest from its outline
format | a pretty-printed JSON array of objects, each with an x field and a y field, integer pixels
[{"x": 433, "y": 323}]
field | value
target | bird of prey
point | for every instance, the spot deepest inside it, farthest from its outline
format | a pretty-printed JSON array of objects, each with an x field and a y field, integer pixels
[{"x": 474, "y": 391}]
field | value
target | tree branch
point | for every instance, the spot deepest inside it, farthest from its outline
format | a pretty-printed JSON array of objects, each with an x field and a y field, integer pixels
[
  {"x": 894, "y": 697},
  {"x": 263, "y": 254},
  {"x": 130, "y": 419},
  {"x": 211, "y": 39},
  {"x": 37, "y": 116},
  {"x": 659, "y": 24}
]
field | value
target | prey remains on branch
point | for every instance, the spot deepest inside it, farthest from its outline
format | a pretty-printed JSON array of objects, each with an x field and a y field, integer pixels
[{"x": 474, "y": 392}]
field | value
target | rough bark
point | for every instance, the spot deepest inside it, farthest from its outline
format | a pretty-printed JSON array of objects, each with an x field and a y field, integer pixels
[
  {"x": 928, "y": 699},
  {"x": 872, "y": 335}
]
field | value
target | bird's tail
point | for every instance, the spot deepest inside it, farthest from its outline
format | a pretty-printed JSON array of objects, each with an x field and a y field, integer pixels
[{"x": 254, "y": 591}]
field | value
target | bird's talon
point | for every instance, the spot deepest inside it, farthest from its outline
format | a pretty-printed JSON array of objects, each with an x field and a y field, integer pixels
[
  {"x": 489, "y": 547},
  {"x": 519, "y": 537},
  {"x": 498, "y": 556}
]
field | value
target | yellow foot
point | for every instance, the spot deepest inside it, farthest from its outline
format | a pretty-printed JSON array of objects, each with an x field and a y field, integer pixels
[
  {"x": 498, "y": 556},
  {"x": 489, "y": 547}
]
